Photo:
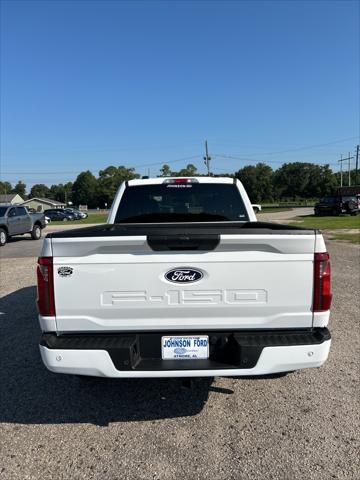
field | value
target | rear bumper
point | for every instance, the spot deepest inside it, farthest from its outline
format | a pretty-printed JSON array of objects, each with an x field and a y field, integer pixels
[{"x": 231, "y": 354}]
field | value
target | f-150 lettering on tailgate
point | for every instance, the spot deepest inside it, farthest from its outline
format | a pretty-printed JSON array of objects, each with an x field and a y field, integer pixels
[{"x": 185, "y": 297}]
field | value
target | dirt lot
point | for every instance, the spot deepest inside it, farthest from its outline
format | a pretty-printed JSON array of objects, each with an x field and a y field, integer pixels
[{"x": 303, "y": 426}]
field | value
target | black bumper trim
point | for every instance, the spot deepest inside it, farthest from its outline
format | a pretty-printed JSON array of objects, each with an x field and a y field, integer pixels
[{"x": 228, "y": 349}]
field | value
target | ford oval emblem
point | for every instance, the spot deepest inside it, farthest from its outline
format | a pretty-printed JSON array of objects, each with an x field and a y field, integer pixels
[
  {"x": 184, "y": 275},
  {"x": 180, "y": 351},
  {"x": 65, "y": 271}
]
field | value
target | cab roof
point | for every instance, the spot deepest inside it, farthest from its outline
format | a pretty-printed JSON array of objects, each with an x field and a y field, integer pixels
[{"x": 160, "y": 180}]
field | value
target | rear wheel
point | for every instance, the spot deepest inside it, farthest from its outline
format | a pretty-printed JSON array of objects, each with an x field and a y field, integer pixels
[
  {"x": 36, "y": 232},
  {"x": 3, "y": 237},
  {"x": 351, "y": 207},
  {"x": 64, "y": 219}
]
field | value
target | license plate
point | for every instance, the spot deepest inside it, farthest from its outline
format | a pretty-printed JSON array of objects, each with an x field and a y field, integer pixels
[{"x": 185, "y": 348}]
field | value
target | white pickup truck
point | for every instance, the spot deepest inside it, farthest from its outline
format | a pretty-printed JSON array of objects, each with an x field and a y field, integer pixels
[{"x": 183, "y": 281}]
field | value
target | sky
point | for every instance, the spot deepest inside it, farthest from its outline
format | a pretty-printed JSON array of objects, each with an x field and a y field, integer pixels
[{"x": 87, "y": 84}]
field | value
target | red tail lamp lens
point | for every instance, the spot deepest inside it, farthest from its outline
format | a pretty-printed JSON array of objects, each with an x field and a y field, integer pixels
[
  {"x": 45, "y": 287},
  {"x": 322, "y": 282}
]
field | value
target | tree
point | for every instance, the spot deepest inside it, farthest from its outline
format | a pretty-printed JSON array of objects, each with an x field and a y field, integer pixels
[
  {"x": 345, "y": 176},
  {"x": 61, "y": 192},
  {"x": 109, "y": 181},
  {"x": 165, "y": 171},
  {"x": 39, "y": 190},
  {"x": 189, "y": 171},
  {"x": 304, "y": 180},
  {"x": 84, "y": 189},
  {"x": 321, "y": 182},
  {"x": 257, "y": 181},
  {"x": 20, "y": 189},
  {"x": 5, "y": 188}
]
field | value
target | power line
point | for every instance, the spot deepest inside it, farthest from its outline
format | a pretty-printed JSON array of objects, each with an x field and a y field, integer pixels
[
  {"x": 86, "y": 149},
  {"x": 308, "y": 147},
  {"x": 244, "y": 159},
  {"x": 79, "y": 171}
]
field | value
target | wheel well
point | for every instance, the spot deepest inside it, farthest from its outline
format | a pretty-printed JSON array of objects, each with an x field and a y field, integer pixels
[
  {"x": 37, "y": 223},
  {"x": 4, "y": 227}
]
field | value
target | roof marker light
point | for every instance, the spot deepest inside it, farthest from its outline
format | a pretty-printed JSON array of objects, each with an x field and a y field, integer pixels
[{"x": 179, "y": 181}]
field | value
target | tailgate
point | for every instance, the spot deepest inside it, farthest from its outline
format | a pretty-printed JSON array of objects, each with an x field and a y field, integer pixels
[{"x": 250, "y": 281}]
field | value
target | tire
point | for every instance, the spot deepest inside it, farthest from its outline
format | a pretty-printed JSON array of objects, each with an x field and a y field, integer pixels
[
  {"x": 351, "y": 207},
  {"x": 3, "y": 237},
  {"x": 64, "y": 219},
  {"x": 36, "y": 232}
]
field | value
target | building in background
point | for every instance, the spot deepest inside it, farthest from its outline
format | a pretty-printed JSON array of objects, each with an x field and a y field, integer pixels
[
  {"x": 41, "y": 204},
  {"x": 11, "y": 199}
]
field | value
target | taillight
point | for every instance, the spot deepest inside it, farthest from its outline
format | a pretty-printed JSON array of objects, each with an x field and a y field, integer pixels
[
  {"x": 45, "y": 287},
  {"x": 322, "y": 283}
]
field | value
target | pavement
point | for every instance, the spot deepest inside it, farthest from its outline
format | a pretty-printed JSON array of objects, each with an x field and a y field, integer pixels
[
  {"x": 301, "y": 426},
  {"x": 24, "y": 246},
  {"x": 280, "y": 217}
]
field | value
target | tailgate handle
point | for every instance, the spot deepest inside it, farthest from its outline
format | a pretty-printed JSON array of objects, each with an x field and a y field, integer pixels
[{"x": 161, "y": 243}]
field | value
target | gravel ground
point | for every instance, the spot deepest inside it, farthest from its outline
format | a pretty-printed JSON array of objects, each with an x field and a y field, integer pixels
[{"x": 302, "y": 426}]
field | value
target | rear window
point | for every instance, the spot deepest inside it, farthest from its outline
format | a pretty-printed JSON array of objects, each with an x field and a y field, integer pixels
[
  {"x": 330, "y": 200},
  {"x": 191, "y": 202}
]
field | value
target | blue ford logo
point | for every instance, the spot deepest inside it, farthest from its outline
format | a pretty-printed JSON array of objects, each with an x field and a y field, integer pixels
[
  {"x": 184, "y": 275},
  {"x": 180, "y": 351}
]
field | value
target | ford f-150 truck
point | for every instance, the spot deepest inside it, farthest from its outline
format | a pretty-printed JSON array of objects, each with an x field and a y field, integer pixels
[
  {"x": 183, "y": 281},
  {"x": 16, "y": 220}
]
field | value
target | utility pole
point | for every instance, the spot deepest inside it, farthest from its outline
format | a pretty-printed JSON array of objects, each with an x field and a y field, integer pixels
[
  {"x": 207, "y": 158},
  {"x": 341, "y": 169},
  {"x": 357, "y": 164},
  {"x": 341, "y": 160}
]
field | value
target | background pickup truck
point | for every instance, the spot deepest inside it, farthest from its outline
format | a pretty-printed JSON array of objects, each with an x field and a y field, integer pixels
[
  {"x": 183, "y": 281},
  {"x": 17, "y": 221}
]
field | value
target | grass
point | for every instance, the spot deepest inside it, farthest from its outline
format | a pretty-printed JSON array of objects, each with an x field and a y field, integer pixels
[
  {"x": 328, "y": 223},
  {"x": 350, "y": 237},
  {"x": 274, "y": 209},
  {"x": 92, "y": 218}
]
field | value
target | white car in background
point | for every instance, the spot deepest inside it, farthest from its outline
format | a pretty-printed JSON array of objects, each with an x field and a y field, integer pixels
[{"x": 256, "y": 207}]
